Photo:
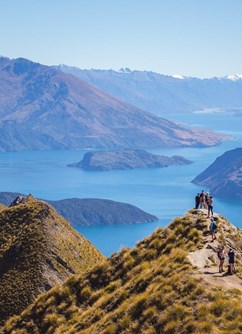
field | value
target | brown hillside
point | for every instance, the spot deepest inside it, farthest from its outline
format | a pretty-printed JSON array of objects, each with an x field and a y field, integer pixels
[
  {"x": 42, "y": 108},
  {"x": 152, "y": 288},
  {"x": 224, "y": 176},
  {"x": 38, "y": 250},
  {"x": 2, "y": 207}
]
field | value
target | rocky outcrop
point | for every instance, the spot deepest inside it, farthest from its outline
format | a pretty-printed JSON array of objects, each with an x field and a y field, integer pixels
[
  {"x": 126, "y": 159},
  {"x": 224, "y": 175}
]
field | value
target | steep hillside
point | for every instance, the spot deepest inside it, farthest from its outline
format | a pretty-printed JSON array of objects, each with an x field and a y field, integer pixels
[
  {"x": 126, "y": 159},
  {"x": 43, "y": 108},
  {"x": 152, "y": 288},
  {"x": 161, "y": 94},
  {"x": 92, "y": 211},
  {"x": 38, "y": 250},
  {"x": 2, "y": 207},
  {"x": 224, "y": 175}
]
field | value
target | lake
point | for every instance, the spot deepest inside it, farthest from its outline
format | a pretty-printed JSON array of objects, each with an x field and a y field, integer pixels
[{"x": 164, "y": 192}]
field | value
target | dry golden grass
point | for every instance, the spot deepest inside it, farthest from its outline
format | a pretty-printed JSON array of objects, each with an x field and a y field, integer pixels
[
  {"x": 148, "y": 289},
  {"x": 38, "y": 250}
]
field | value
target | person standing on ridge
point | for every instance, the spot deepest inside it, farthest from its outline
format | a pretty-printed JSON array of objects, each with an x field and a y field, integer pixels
[
  {"x": 231, "y": 262},
  {"x": 197, "y": 201},
  {"x": 202, "y": 200},
  {"x": 221, "y": 258},
  {"x": 210, "y": 205},
  {"x": 212, "y": 228}
]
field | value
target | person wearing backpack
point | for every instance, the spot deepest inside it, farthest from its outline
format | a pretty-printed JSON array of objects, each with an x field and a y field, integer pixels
[
  {"x": 210, "y": 205},
  {"x": 212, "y": 228}
]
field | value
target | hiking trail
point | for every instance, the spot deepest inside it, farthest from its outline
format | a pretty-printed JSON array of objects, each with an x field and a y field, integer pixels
[{"x": 206, "y": 260}]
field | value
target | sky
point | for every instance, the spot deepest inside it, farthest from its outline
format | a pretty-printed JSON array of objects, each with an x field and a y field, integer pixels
[{"x": 198, "y": 38}]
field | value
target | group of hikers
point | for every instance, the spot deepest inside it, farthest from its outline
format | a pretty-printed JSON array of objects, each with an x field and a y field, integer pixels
[
  {"x": 222, "y": 255},
  {"x": 205, "y": 201},
  {"x": 221, "y": 250}
]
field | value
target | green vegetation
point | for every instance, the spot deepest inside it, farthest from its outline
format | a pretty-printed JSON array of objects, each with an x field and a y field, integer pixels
[
  {"x": 152, "y": 288},
  {"x": 38, "y": 250}
]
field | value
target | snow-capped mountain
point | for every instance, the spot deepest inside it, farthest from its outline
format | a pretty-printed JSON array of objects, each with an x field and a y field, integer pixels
[
  {"x": 43, "y": 108},
  {"x": 234, "y": 77},
  {"x": 163, "y": 94}
]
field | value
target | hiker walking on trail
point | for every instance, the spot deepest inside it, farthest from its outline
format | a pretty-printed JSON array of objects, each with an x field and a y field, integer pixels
[
  {"x": 231, "y": 262},
  {"x": 221, "y": 257},
  {"x": 210, "y": 205},
  {"x": 212, "y": 228}
]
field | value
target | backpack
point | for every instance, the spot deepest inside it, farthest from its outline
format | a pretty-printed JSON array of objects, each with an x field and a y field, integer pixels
[{"x": 213, "y": 225}]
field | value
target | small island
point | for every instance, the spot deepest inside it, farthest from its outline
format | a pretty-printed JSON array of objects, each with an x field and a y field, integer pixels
[{"x": 126, "y": 159}]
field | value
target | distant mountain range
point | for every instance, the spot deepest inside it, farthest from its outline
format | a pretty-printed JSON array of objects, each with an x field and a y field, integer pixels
[
  {"x": 43, "y": 108},
  {"x": 126, "y": 159},
  {"x": 162, "y": 94},
  {"x": 91, "y": 211},
  {"x": 224, "y": 175}
]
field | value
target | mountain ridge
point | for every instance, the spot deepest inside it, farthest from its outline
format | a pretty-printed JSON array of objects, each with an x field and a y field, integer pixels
[
  {"x": 43, "y": 108},
  {"x": 38, "y": 250},
  {"x": 163, "y": 94},
  {"x": 151, "y": 288}
]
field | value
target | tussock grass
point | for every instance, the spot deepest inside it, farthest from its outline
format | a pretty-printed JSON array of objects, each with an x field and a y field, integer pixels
[
  {"x": 38, "y": 250},
  {"x": 149, "y": 289}
]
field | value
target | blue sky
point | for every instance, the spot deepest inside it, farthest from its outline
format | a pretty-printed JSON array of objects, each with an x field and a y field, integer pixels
[{"x": 200, "y": 38}]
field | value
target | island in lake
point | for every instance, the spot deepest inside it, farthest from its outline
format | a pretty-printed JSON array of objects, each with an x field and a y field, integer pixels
[{"x": 126, "y": 159}]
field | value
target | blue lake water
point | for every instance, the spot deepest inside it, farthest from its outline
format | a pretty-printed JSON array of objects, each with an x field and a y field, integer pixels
[{"x": 164, "y": 192}]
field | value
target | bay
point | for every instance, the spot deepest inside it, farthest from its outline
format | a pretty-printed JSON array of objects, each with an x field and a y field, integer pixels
[{"x": 164, "y": 192}]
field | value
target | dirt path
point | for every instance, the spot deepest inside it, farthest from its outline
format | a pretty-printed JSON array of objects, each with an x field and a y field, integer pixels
[{"x": 206, "y": 261}]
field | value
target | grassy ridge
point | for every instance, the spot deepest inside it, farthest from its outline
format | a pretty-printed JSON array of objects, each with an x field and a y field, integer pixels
[
  {"x": 149, "y": 289},
  {"x": 38, "y": 250},
  {"x": 2, "y": 207}
]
